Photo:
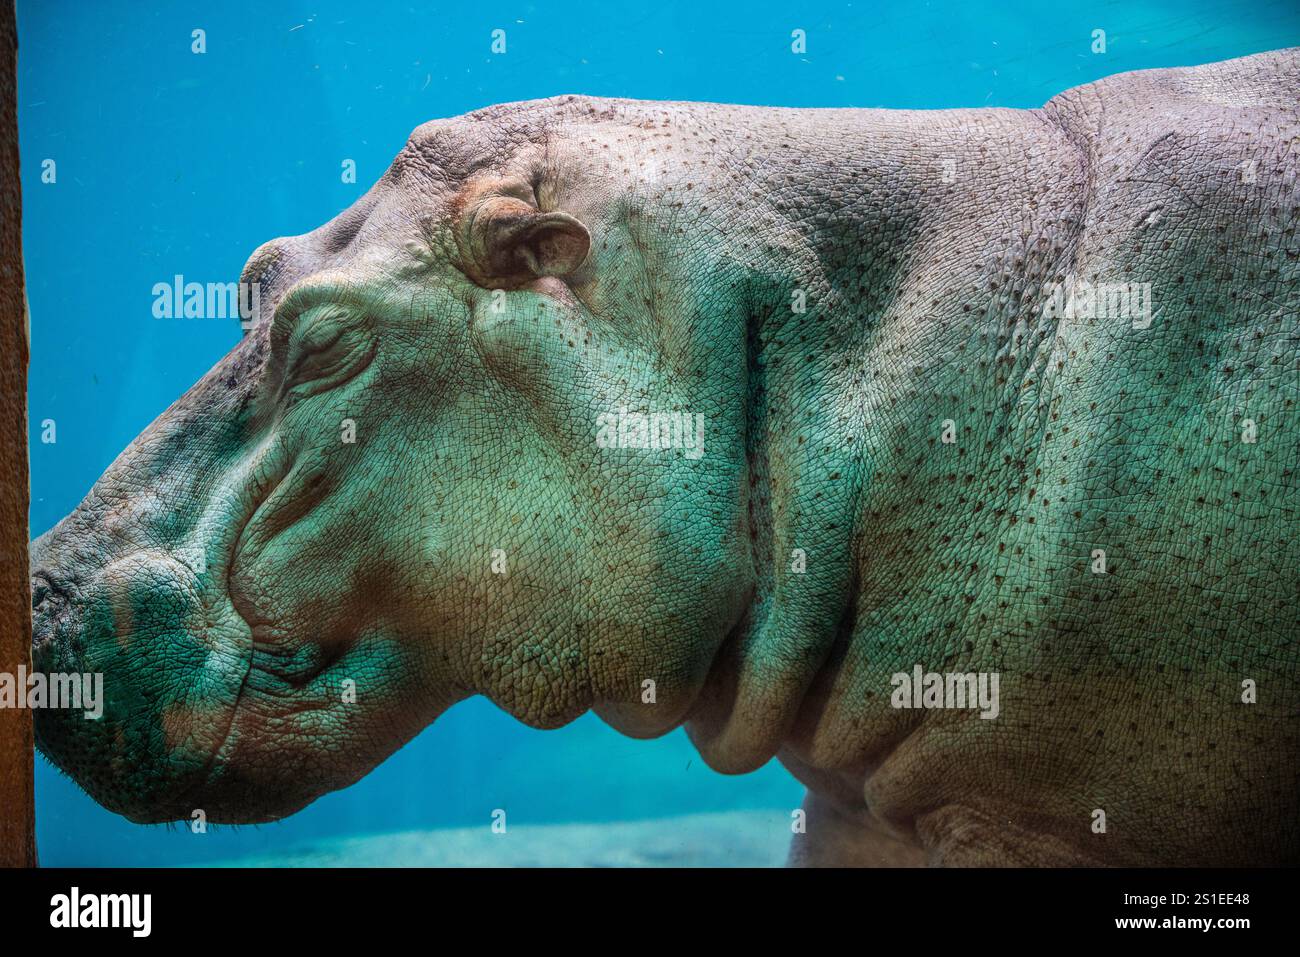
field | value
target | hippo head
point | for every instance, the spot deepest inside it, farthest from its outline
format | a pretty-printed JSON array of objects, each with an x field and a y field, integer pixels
[{"x": 421, "y": 475}]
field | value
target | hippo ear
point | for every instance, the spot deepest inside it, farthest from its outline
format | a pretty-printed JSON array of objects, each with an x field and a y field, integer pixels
[{"x": 511, "y": 240}]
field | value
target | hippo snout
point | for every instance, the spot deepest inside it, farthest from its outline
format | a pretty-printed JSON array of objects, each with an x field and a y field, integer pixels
[{"x": 104, "y": 642}]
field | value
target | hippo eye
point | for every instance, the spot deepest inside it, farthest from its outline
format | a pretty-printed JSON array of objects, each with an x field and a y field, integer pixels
[{"x": 328, "y": 346}]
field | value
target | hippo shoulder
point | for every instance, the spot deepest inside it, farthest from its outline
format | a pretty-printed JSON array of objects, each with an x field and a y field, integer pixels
[
  {"x": 1201, "y": 117},
  {"x": 1205, "y": 148},
  {"x": 1265, "y": 81}
]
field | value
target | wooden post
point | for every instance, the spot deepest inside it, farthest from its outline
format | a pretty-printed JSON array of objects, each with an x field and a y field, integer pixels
[{"x": 17, "y": 801}]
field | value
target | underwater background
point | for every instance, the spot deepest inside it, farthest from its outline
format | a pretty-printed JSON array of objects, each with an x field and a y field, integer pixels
[{"x": 171, "y": 162}]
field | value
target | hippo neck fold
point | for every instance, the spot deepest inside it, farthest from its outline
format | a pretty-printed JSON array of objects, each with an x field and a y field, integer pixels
[
  {"x": 835, "y": 260},
  {"x": 851, "y": 198}
]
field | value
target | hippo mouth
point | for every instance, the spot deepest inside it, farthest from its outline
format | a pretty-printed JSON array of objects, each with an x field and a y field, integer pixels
[
  {"x": 258, "y": 501},
  {"x": 255, "y": 631},
  {"x": 152, "y": 756}
]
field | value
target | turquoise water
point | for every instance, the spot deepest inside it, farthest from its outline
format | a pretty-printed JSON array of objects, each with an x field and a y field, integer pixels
[{"x": 170, "y": 162}]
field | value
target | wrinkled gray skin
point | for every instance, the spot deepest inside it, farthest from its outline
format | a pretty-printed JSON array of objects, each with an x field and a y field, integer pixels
[{"x": 240, "y": 562}]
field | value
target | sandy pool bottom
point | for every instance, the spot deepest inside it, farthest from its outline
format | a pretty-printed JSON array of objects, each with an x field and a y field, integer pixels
[{"x": 732, "y": 839}]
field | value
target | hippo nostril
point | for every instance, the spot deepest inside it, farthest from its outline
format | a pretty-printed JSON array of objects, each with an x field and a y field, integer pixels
[
  {"x": 47, "y": 604},
  {"x": 45, "y": 597}
]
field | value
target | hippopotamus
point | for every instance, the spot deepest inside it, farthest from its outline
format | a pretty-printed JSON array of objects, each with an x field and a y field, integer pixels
[{"x": 949, "y": 457}]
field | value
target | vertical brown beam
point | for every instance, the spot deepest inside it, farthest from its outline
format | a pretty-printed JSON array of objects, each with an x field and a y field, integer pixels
[{"x": 17, "y": 801}]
